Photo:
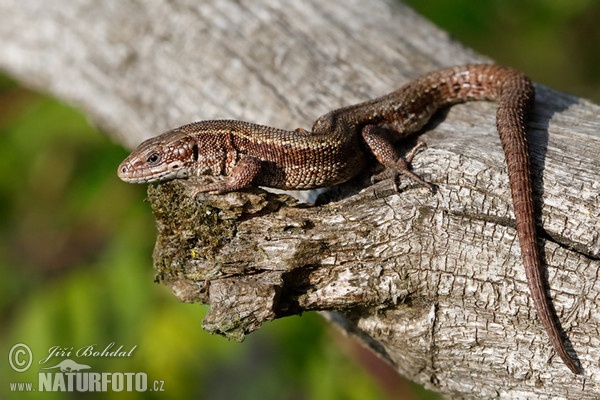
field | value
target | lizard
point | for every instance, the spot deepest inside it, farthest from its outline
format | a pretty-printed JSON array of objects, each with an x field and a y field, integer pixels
[{"x": 340, "y": 143}]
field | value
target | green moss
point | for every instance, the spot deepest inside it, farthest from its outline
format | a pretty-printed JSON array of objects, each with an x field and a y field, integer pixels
[{"x": 188, "y": 230}]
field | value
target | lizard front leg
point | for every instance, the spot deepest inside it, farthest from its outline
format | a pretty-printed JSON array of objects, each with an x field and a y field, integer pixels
[
  {"x": 386, "y": 154},
  {"x": 242, "y": 175}
]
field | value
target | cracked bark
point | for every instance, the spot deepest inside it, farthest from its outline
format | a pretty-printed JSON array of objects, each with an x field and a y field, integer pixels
[{"x": 433, "y": 283}]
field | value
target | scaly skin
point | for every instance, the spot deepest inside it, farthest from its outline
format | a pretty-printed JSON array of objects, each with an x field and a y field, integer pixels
[{"x": 337, "y": 148}]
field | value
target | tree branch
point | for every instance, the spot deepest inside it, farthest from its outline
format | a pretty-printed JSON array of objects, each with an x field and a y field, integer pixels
[{"x": 433, "y": 283}]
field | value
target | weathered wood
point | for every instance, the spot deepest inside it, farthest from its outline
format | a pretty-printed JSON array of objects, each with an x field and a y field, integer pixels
[{"x": 433, "y": 283}]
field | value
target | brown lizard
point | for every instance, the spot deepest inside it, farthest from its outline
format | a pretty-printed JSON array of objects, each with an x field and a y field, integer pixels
[{"x": 338, "y": 146}]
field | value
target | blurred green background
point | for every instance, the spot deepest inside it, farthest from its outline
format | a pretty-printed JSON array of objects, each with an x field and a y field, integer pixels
[{"x": 76, "y": 243}]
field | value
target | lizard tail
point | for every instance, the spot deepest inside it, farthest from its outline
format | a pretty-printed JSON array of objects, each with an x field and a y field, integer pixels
[{"x": 516, "y": 97}]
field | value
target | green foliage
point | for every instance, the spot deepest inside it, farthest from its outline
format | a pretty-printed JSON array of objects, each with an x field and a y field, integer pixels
[{"x": 555, "y": 42}]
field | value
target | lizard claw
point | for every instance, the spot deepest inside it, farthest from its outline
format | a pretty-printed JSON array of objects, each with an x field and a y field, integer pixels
[
  {"x": 411, "y": 154},
  {"x": 402, "y": 167}
]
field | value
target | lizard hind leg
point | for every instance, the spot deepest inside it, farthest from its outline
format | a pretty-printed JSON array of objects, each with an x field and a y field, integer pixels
[{"x": 386, "y": 154}]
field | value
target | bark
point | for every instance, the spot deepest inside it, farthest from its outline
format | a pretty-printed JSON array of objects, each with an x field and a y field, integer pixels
[{"x": 432, "y": 283}]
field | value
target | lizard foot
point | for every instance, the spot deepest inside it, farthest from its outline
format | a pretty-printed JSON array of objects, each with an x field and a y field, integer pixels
[{"x": 402, "y": 167}]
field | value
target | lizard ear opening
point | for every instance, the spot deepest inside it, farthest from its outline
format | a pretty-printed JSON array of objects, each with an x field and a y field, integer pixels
[{"x": 195, "y": 152}]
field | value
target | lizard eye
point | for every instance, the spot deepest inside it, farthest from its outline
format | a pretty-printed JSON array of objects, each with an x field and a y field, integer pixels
[{"x": 153, "y": 158}]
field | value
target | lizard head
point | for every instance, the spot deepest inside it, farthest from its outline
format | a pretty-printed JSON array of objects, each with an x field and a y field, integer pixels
[{"x": 168, "y": 156}]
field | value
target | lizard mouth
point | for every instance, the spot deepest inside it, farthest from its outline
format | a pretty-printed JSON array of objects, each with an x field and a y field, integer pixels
[{"x": 129, "y": 173}]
